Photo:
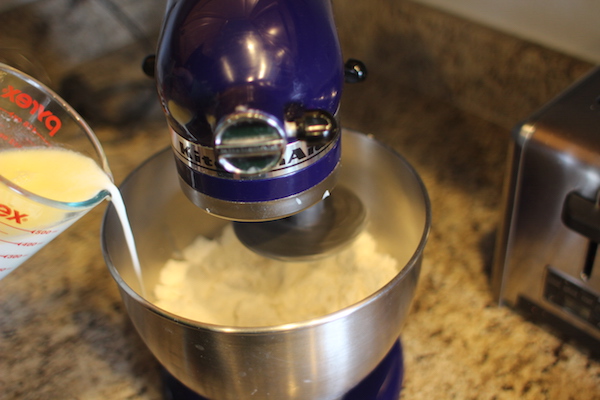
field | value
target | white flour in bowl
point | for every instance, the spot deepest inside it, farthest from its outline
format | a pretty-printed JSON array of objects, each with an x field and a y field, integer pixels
[{"x": 222, "y": 282}]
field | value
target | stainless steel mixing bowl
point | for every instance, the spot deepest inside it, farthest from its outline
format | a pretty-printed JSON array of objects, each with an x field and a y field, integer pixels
[{"x": 318, "y": 359}]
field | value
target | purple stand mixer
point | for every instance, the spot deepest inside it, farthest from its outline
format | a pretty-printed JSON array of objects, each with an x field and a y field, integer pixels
[
  {"x": 251, "y": 90},
  {"x": 383, "y": 383}
]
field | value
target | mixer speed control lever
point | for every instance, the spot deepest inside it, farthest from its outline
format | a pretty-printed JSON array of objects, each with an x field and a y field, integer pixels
[{"x": 316, "y": 127}]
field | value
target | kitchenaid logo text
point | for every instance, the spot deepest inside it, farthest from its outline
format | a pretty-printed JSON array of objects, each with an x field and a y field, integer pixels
[
  {"x": 193, "y": 154},
  {"x": 24, "y": 101},
  {"x": 10, "y": 214},
  {"x": 291, "y": 157},
  {"x": 203, "y": 158}
]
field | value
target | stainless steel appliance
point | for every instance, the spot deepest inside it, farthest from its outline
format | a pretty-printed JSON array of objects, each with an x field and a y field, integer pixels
[
  {"x": 319, "y": 359},
  {"x": 547, "y": 262},
  {"x": 251, "y": 92}
]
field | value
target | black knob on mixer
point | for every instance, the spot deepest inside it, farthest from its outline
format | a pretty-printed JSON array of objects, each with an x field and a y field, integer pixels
[
  {"x": 355, "y": 71},
  {"x": 148, "y": 65}
]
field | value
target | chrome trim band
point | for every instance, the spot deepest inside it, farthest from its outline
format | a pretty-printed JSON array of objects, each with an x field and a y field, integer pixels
[{"x": 297, "y": 155}]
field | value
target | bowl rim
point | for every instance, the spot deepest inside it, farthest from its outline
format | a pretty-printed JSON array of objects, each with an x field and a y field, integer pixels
[{"x": 412, "y": 263}]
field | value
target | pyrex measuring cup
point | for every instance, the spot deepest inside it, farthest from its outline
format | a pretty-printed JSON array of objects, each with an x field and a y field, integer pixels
[{"x": 33, "y": 116}]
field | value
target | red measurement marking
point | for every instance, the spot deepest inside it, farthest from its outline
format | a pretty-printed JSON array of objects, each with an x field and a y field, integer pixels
[
  {"x": 11, "y": 256},
  {"x": 25, "y": 124},
  {"x": 10, "y": 140},
  {"x": 41, "y": 232},
  {"x": 32, "y": 231},
  {"x": 22, "y": 244}
]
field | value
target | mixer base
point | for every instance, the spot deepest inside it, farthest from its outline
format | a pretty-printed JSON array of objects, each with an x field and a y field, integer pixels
[{"x": 383, "y": 383}]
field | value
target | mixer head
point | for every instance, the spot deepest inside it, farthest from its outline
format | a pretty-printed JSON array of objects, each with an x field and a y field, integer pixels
[{"x": 251, "y": 90}]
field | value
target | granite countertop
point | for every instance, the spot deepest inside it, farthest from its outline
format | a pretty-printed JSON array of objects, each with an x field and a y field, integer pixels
[{"x": 64, "y": 333}]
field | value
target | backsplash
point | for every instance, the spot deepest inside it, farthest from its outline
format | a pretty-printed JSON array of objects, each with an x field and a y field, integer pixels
[
  {"x": 91, "y": 50},
  {"x": 63, "y": 34},
  {"x": 489, "y": 74},
  {"x": 568, "y": 26}
]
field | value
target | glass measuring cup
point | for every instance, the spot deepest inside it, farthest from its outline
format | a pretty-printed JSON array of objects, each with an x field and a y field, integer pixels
[{"x": 32, "y": 116}]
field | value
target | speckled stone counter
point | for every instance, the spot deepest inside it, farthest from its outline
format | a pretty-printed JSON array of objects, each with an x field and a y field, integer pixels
[
  {"x": 459, "y": 344},
  {"x": 64, "y": 333}
]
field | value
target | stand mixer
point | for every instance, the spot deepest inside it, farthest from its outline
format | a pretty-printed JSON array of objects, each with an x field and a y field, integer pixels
[{"x": 251, "y": 90}]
